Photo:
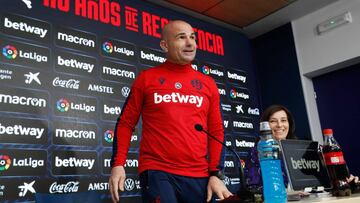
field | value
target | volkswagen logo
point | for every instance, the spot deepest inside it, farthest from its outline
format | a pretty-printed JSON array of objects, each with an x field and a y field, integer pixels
[
  {"x": 226, "y": 180},
  {"x": 129, "y": 184},
  {"x": 125, "y": 91}
]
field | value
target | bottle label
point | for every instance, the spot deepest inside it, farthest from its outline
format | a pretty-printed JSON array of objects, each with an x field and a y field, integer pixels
[{"x": 334, "y": 158}]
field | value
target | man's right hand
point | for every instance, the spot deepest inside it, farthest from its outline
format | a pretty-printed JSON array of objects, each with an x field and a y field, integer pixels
[{"x": 116, "y": 182}]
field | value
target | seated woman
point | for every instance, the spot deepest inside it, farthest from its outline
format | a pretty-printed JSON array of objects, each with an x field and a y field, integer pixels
[{"x": 283, "y": 127}]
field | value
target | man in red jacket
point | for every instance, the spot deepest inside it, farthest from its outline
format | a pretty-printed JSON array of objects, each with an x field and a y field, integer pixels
[{"x": 176, "y": 162}]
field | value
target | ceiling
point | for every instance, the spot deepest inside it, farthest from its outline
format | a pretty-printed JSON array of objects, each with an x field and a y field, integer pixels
[{"x": 251, "y": 17}]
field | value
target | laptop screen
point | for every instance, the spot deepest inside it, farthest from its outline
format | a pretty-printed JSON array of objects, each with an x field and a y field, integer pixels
[{"x": 304, "y": 164}]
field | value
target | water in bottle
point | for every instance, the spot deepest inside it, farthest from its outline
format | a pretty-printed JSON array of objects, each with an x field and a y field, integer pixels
[{"x": 270, "y": 165}]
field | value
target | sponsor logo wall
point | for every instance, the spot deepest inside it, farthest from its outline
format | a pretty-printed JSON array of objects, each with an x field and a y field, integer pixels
[{"x": 64, "y": 78}]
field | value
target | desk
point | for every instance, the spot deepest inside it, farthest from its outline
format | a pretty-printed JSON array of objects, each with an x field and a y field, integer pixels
[{"x": 354, "y": 198}]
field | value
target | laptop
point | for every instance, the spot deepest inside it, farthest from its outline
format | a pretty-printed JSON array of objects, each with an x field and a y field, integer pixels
[{"x": 304, "y": 165}]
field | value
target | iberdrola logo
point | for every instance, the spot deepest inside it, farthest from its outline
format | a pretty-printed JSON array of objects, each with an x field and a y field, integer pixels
[
  {"x": 206, "y": 69},
  {"x": 62, "y": 105},
  {"x": 233, "y": 93},
  {"x": 5, "y": 162},
  {"x": 107, "y": 47},
  {"x": 9, "y": 52},
  {"x": 109, "y": 136}
]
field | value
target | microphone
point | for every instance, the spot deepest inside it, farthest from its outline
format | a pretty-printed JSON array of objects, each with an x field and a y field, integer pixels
[{"x": 244, "y": 194}]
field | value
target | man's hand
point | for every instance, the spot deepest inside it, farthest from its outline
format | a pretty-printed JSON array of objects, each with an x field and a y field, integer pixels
[
  {"x": 116, "y": 182},
  {"x": 218, "y": 187}
]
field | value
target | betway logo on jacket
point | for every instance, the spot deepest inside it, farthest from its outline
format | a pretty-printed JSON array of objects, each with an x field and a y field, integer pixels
[{"x": 178, "y": 98}]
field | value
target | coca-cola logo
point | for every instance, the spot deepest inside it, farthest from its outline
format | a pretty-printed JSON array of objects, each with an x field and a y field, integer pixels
[
  {"x": 69, "y": 84},
  {"x": 71, "y": 186}
]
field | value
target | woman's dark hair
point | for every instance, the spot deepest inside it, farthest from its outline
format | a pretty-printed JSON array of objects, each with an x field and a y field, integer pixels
[{"x": 275, "y": 108}]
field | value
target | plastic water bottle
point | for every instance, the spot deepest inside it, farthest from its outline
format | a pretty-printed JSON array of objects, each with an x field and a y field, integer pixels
[{"x": 270, "y": 164}]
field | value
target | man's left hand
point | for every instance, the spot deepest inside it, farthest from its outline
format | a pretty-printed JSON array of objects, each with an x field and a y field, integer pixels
[{"x": 218, "y": 187}]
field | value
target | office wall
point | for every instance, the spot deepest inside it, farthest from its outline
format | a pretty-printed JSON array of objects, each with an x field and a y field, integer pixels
[
  {"x": 278, "y": 75},
  {"x": 331, "y": 59},
  {"x": 65, "y": 71},
  {"x": 320, "y": 54}
]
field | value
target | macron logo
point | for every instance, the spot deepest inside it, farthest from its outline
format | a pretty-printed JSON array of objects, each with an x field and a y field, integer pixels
[{"x": 178, "y": 98}]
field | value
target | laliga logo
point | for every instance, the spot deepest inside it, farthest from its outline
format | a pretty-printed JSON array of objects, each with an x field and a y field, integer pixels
[
  {"x": 62, "y": 105},
  {"x": 109, "y": 136},
  {"x": 107, "y": 47},
  {"x": 10, "y": 52},
  {"x": 5, "y": 162},
  {"x": 206, "y": 70},
  {"x": 233, "y": 93}
]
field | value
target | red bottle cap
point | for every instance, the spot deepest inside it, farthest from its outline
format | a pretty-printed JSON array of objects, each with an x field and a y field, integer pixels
[{"x": 328, "y": 131}]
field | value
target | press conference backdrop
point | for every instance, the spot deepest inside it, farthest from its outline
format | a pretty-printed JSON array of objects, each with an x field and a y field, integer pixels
[{"x": 66, "y": 69}]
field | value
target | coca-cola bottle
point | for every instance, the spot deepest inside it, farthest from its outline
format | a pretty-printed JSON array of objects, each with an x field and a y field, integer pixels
[{"x": 336, "y": 165}]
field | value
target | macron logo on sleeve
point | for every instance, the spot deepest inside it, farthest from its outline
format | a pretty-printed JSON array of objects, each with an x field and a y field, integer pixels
[{"x": 178, "y": 98}]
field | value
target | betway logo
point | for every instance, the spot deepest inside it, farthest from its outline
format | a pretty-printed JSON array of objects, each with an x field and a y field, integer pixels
[
  {"x": 243, "y": 143},
  {"x": 76, "y": 39},
  {"x": 236, "y": 77},
  {"x": 239, "y": 124},
  {"x": 305, "y": 164},
  {"x": 178, "y": 98},
  {"x": 73, "y": 63},
  {"x": 81, "y": 134},
  {"x": 21, "y": 130},
  {"x": 24, "y": 101},
  {"x": 112, "y": 110},
  {"x": 226, "y": 123},
  {"x": 118, "y": 72},
  {"x": 24, "y": 27},
  {"x": 152, "y": 57},
  {"x": 73, "y": 162}
]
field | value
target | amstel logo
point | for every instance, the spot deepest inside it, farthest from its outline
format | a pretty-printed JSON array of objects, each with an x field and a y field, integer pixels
[
  {"x": 233, "y": 93},
  {"x": 206, "y": 70},
  {"x": 5, "y": 162},
  {"x": 107, "y": 47},
  {"x": 109, "y": 136},
  {"x": 10, "y": 52},
  {"x": 62, "y": 105}
]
